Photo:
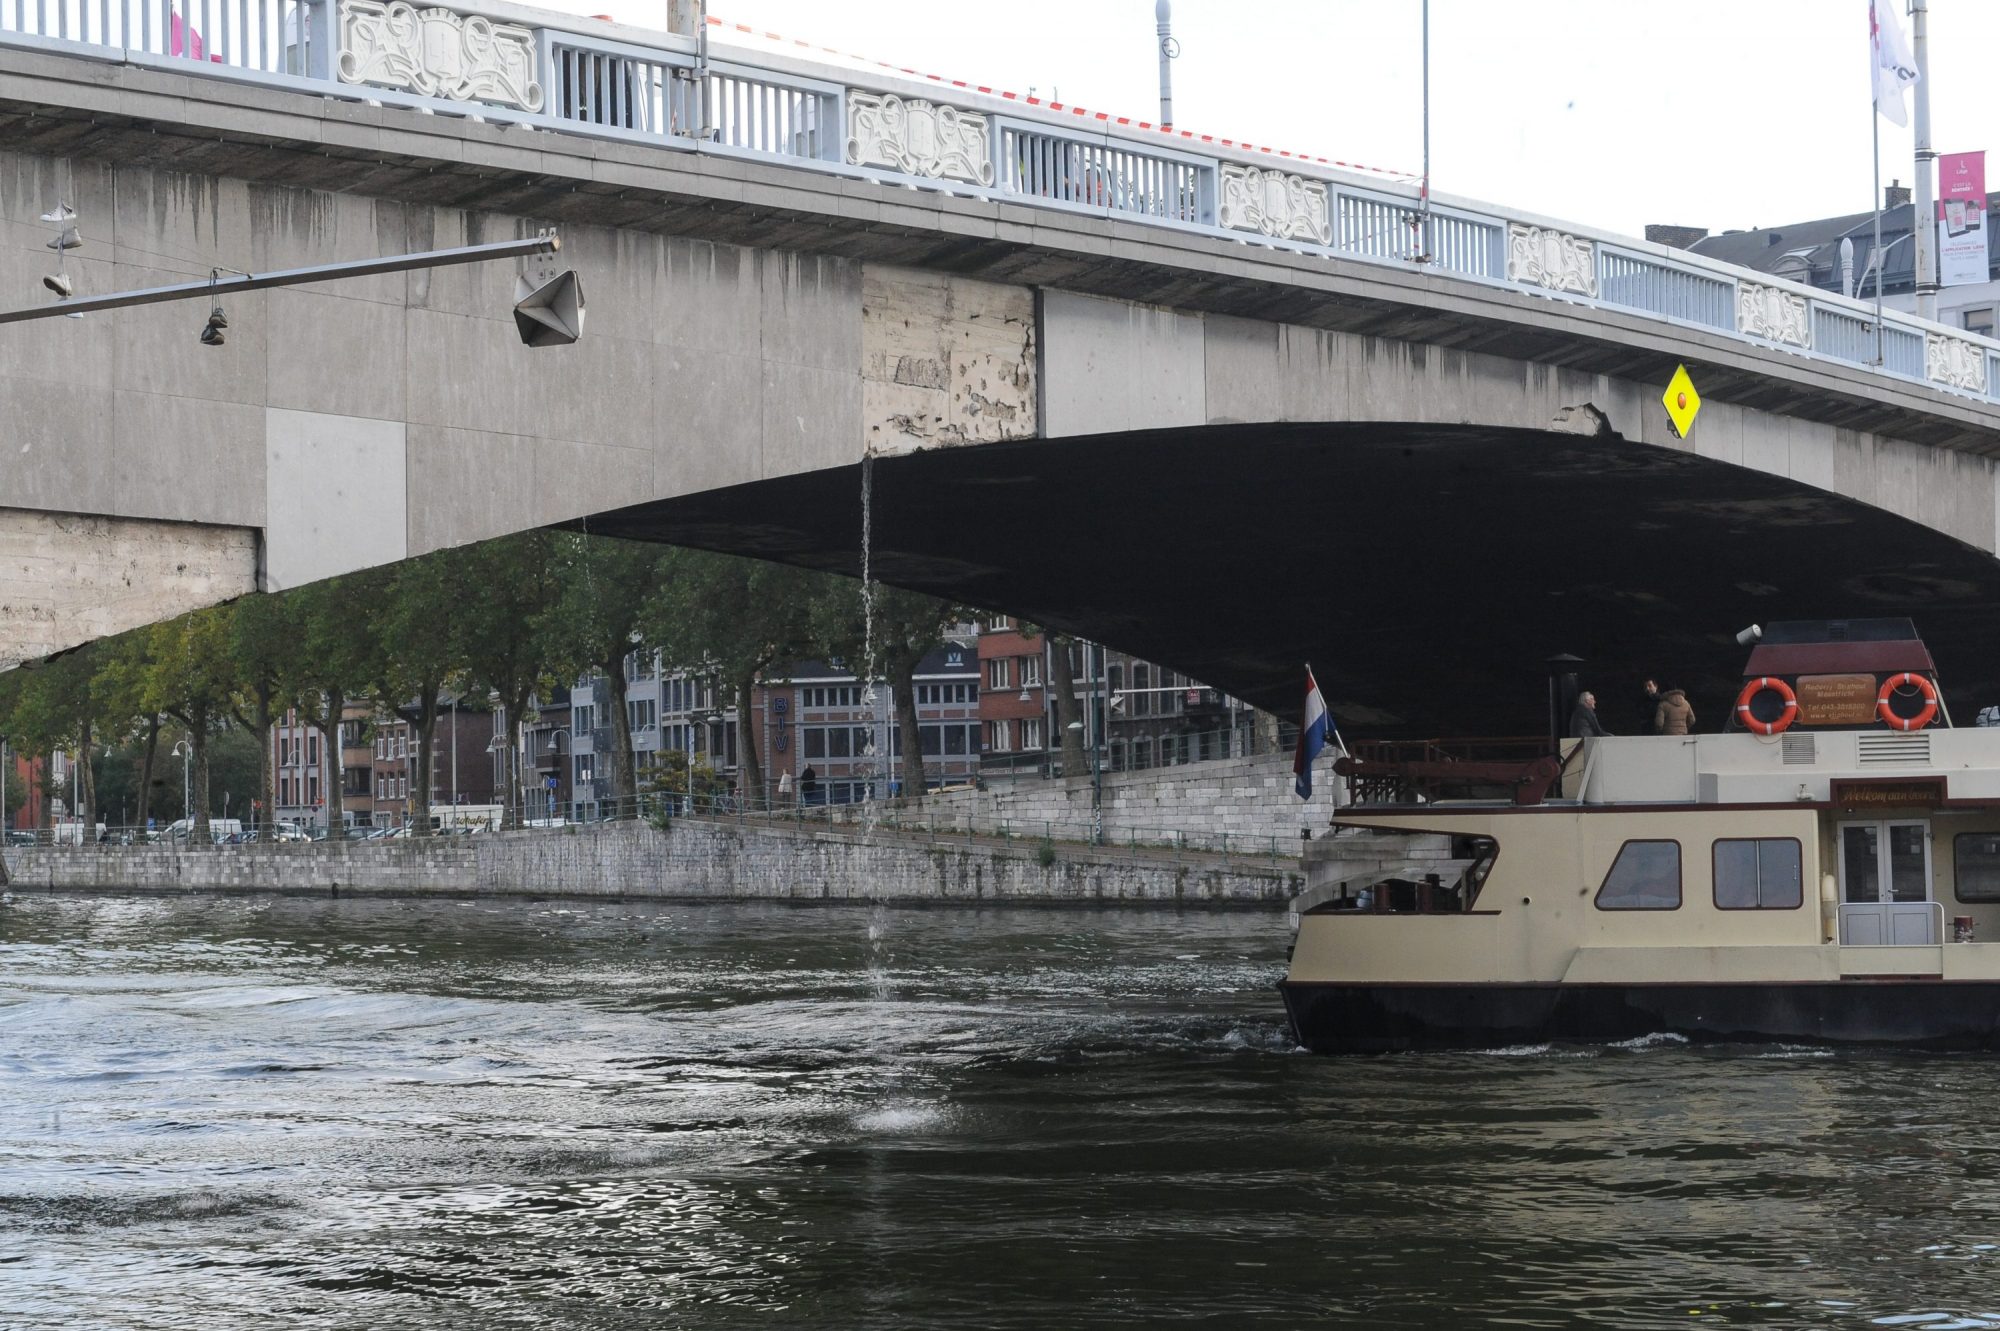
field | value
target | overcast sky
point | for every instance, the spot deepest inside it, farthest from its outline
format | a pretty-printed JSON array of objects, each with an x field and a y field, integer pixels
[{"x": 1615, "y": 113}]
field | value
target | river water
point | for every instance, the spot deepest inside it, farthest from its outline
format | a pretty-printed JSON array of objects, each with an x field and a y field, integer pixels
[{"x": 222, "y": 1113}]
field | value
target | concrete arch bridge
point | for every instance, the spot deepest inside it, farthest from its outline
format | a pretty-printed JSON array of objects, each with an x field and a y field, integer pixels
[{"x": 1226, "y": 408}]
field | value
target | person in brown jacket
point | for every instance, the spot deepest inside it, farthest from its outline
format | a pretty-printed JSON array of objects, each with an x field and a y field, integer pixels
[{"x": 1674, "y": 716}]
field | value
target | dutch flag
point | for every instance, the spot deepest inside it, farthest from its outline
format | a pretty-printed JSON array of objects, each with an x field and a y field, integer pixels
[{"x": 1313, "y": 731}]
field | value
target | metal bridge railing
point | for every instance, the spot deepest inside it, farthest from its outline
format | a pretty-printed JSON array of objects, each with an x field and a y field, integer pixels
[{"x": 584, "y": 76}]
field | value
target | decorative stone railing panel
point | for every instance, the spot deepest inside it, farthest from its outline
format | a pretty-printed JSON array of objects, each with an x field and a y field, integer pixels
[
  {"x": 1773, "y": 313},
  {"x": 1273, "y": 203},
  {"x": 918, "y": 138},
  {"x": 438, "y": 53},
  {"x": 1955, "y": 362},
  {"x": 1544, "y": 257}
]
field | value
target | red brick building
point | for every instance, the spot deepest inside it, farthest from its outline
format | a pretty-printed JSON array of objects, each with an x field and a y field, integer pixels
[{"x": 1013, "y": 698}]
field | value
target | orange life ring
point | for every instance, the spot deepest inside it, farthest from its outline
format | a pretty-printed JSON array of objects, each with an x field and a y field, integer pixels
[
  {"x": 1923, "y": 686},
  {"x": 1777, "y": 686}
]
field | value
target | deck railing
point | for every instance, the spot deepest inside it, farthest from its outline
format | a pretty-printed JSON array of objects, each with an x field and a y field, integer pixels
[{"x": 506, "y": 62}]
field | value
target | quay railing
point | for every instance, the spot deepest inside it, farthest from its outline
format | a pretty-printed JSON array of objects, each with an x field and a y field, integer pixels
[{"x": 509, "y": 63}]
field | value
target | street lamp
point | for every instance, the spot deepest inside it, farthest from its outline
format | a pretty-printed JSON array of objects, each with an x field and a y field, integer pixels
[
  {"x": 497, "y": 746},
  {"x": 688, "y": 732},
  {"x": 555, "y": 768},
  {"x": 1096, "y": 790},
  {"x": 186, "y": 751}
]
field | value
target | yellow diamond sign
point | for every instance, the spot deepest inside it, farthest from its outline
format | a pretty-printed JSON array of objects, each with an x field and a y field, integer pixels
[{"x": 1682, "y": 402}]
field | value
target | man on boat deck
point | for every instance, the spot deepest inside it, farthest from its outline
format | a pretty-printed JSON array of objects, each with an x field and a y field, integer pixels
[
  {"x": 1583, "y": 722},
  {"x": 1649, "y": 708},
  {"x": 1675, "y": 715}
]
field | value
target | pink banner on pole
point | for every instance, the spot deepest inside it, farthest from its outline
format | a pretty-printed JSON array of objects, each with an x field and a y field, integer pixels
[{"x": 1961, "y": 219}]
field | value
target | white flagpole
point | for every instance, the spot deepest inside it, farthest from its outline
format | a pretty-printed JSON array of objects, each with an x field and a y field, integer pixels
[
  {"x": 1875, "y": 128},
  {"x": 1923, "y": 222},
  {"x": 1875, "y": 122}
]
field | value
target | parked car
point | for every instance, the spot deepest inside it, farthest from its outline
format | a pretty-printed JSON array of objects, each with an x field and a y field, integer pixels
[{"x": 220, "y": 829}]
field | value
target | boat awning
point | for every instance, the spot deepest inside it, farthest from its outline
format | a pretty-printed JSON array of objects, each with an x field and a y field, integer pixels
[{"x": 1839, "y": 658}]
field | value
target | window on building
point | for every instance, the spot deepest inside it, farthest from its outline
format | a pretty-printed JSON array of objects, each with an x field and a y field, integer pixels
[
  {"x": 930, "y": 740},
  {"x": 1031, "y": 734},
  {"x": 957, "y": 739},
  {"x": 1000, "y": 673},
  {"x": 312, "y": 786},
  {"x": 840, "y": 742},
  {"x": 642, "y": 715},
  {"x": 845, "y": 695},
  {"x": 999, "y": 624},
  {"x": 1976, "y": 866},
  {"x": 1114, "y": 679},
  {"x": 1760, "y": 874},
  {"x": 1645, "y": 876},
  {"x": 312, "y": 749},
  {"x": 1116, "y": 761},
  {"x": 999, "y": 736},
  {"x": 582, "y": 720},
  {"x": 1142, "y": 754},
  {"x": 813, "y": 741},
  {"x": 1979, "y": 320},
  {"x": 1142, "y": 700},
  {"x": 584, "y": 767},
  {"x": 1031, "y": 672}
]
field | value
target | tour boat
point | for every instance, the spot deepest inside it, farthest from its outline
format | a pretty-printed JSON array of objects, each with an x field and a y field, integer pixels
[{"x": 1817, "y": 872}]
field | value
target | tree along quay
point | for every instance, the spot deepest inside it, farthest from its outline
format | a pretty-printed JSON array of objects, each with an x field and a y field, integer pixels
[{"x": 689, "y": 859}]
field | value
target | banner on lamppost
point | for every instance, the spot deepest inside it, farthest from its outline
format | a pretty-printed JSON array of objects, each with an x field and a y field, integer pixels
[{"x": 1961, "y": 219}]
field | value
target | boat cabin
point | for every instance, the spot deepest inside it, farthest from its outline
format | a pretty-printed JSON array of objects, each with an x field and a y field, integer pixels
[{"x": 1838, "y": 829}]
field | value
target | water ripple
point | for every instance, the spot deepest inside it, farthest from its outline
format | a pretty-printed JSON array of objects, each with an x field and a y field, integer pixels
[{"x": 234, "y": 1113}]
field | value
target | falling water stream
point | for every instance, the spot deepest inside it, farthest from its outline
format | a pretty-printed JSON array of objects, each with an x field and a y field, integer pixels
[
  {"x": 878, "y": 916},
  {"x": 870, "y": 697}
]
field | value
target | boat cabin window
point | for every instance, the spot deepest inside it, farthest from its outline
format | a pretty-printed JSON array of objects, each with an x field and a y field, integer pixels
[
  {"x": 1765, "y": 873},
  {"x": 1976, "y": 866},
  {"x": 1645, "y": 876}
]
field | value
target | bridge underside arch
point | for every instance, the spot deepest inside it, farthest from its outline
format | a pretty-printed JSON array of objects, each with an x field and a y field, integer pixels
[{"x": 1426, "y": 571}]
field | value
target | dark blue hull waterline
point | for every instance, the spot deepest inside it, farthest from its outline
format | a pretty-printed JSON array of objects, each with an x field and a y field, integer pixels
[{"x": 1384, "y": 1018}]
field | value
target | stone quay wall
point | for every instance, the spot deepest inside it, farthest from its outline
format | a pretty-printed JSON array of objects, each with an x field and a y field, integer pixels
[
  {"x": 693, "y": 859},
  {"x": 1248, "y": 800}
]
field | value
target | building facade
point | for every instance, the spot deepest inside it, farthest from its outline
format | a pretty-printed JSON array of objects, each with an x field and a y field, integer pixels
[
  {"x": 1014, "y": 702},
  {"x": 666, "y": 712},
  {"x": 378, "y": 764}
]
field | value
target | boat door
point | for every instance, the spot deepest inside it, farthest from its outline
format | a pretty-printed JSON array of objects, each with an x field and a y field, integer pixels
[{"x": 1885, "y": 884}]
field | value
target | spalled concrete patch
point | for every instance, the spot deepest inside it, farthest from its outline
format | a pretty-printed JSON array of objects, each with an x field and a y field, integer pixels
[
  {"x": 945, "y": 360},
  {"x": 67, "y": 580}
]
